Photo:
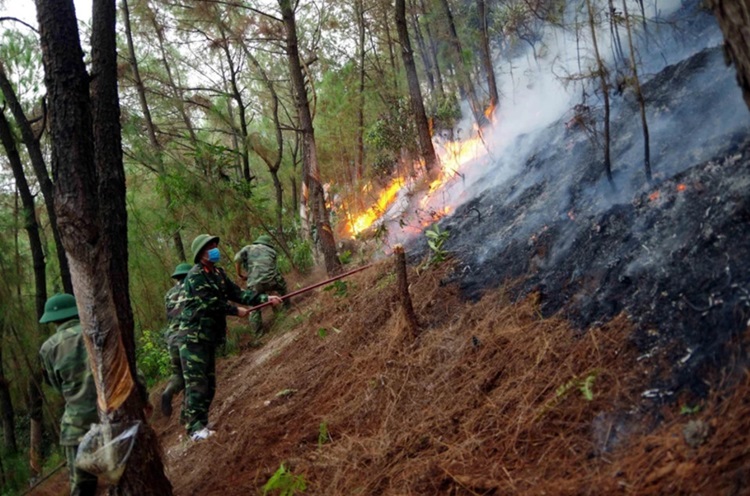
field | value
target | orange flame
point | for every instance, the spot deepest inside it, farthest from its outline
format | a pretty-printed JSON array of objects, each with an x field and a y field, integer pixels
[
  {"x": 366, "y": 219},
  {"x": 681, "y": 187},
  {"x": 654, "y": 196}
]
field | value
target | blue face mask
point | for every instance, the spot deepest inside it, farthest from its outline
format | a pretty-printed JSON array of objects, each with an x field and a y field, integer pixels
[{"x": 214, "y": 255}]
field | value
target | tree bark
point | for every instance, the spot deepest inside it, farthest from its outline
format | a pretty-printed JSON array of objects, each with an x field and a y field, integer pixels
[
  {"x": 434, "y": 55},
  {"x": 734, "y": 17},
  {"x": 638, "y": 94},
  {"x": 403, "y": 290},
  {"x": 7, "y": 414},
  {"x": 90, "y": 207},
  {"x": 487, "y": 55},
  {"x": 427, "y": 151},
  {"x": 359, "y": 161},
  {"x": 602, "y": 75},
  {"x": 40, "y": 290},
  {"x": 310, "y": 169},
  {"x": 31, "y": 141}
]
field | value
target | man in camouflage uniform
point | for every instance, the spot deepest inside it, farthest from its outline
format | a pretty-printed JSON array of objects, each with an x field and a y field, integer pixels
[
  {"x": 202, "y": 325},
  {"x": 173, "y": 302},
  {"x": 256, "y": 265},
  {"x": 66, "y": 368}
]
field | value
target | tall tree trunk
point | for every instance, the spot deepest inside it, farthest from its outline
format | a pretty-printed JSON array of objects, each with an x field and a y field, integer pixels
[
  {"x": 434, "y": 55},
  {"x": 151, "y": 129},
  {"x": 40, "y": 287},
  {"x": 602, "y": 75},
  {"x": 734, "y": 18},
  {"x": 359, "y": 160},
  {"x": 7, "y": 414},
  {"x": 273, "y": 163},
  {"x": 310, "y": 169},
  {"x": 90, "y": 205},
  {"x": 31, "y": 141},
  {"x": 423, "y": 52},
  {"x": 389, "y": 41},
  {"x": 638, "y": 94},
  {"x": 427, "y": 151},
  {"x": 487, "y": 55},
  {"x": 464, "y": 79}
]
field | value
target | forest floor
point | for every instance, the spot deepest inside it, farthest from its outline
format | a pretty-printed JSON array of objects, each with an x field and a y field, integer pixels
[{"x": 490, "y": 398}]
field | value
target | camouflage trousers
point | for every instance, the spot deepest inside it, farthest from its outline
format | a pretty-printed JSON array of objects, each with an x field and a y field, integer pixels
[
  {"x": 277, "y": 286},
  {"x": 81, "y": 483},
  {"x": 199, "y": 371},
  {"x": 176, "y": 381}
]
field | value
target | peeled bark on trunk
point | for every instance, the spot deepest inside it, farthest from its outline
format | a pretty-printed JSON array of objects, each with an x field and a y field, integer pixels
[
  {"x": 31, "y": 141},
  {"x": 734, "y": 18},
  {"x": 90, "y": 203},
  {"x": 427, "y": 151},
  {"x": 310, "y": 169}
]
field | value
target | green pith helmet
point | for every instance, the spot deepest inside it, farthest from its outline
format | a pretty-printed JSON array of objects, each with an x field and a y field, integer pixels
[
  {"x": 181, "y": 270},
  {"x": 200, "y": 242},
  {"x": 59, "y": 307},
  {"x": 264, "y": 239}
]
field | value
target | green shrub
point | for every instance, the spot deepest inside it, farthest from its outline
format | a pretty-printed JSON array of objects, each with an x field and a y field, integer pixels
[{"x": 152, "y": 356}]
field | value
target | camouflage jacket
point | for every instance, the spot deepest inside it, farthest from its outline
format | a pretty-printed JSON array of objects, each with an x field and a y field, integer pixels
[
  {"x": 65, "y": 363},
  {"x": 173, "y": 301},
  {"x": 206, "y": 304},
  {"x": 259, "y": 263}
]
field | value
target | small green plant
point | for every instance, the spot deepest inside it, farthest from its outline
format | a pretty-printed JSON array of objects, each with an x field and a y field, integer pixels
[
  {"x": 339, "y": 288},
  {"x": 302, "y": 256},
  {"x": 345, "y": 257},
  {"x": 323, "y": 435},
  {"x": 322, "y": 332},
  {"x": 285, "y": 483},
  {"x": 585, "y": 386},
  {"x": 690, "y": 410},
  {"x": 152, "y": 356},
  {"x": 436, "y": 238}
]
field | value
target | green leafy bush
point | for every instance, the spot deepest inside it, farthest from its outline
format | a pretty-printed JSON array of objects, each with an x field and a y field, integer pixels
[{"x": 152, "y": 356}]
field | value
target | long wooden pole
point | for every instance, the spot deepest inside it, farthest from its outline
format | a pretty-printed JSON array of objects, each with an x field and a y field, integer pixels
[{"x": 316, "y": 285}]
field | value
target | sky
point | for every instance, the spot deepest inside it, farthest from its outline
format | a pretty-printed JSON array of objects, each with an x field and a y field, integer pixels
[{"x": 26, "y": 11}]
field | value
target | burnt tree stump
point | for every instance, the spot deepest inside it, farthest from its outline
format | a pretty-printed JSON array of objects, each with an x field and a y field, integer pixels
[{"x": 403, "y": 290}]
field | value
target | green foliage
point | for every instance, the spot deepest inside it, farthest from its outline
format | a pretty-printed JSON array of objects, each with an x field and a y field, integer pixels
[
  {"x": 345, "y": 257},
  {"x": 436, "y": 238},
  {"x": 152, "y": 356},
  {"x": 285, "y": 483},
  {"x": 16, "y": 470},
  {"x": 322, "y": 332},
  {"x": 323, "y": 435},
  {"x": 448, "y": 112},
  {"x": 585, "y": 386},
  {"x": 690, "y": 410},
  {"x": 339, "y": 288},
  {"x": 302, "y": 255}
]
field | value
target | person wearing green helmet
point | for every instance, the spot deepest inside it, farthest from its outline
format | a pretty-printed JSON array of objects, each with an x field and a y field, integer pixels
[
  {"x": 256, "y": 265},
  {"x": 173, "y": 302},
  {"x": 202, "y": 327},
  {"x": 65, "y": 364}
]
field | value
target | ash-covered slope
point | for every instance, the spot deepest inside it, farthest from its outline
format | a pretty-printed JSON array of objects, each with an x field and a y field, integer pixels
[{"x": 672, "y": 253}]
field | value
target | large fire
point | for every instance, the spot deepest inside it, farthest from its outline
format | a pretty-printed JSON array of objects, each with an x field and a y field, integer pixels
[{"x": 453, "y": 156}]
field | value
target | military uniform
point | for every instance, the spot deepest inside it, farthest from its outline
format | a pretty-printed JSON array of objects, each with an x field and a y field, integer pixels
[
  {"x": 259, "y": 263},
  {"x": 173, "y": 302},
  {"x": 66, "y": 368},
  {"x": 202, "y": 327}
]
